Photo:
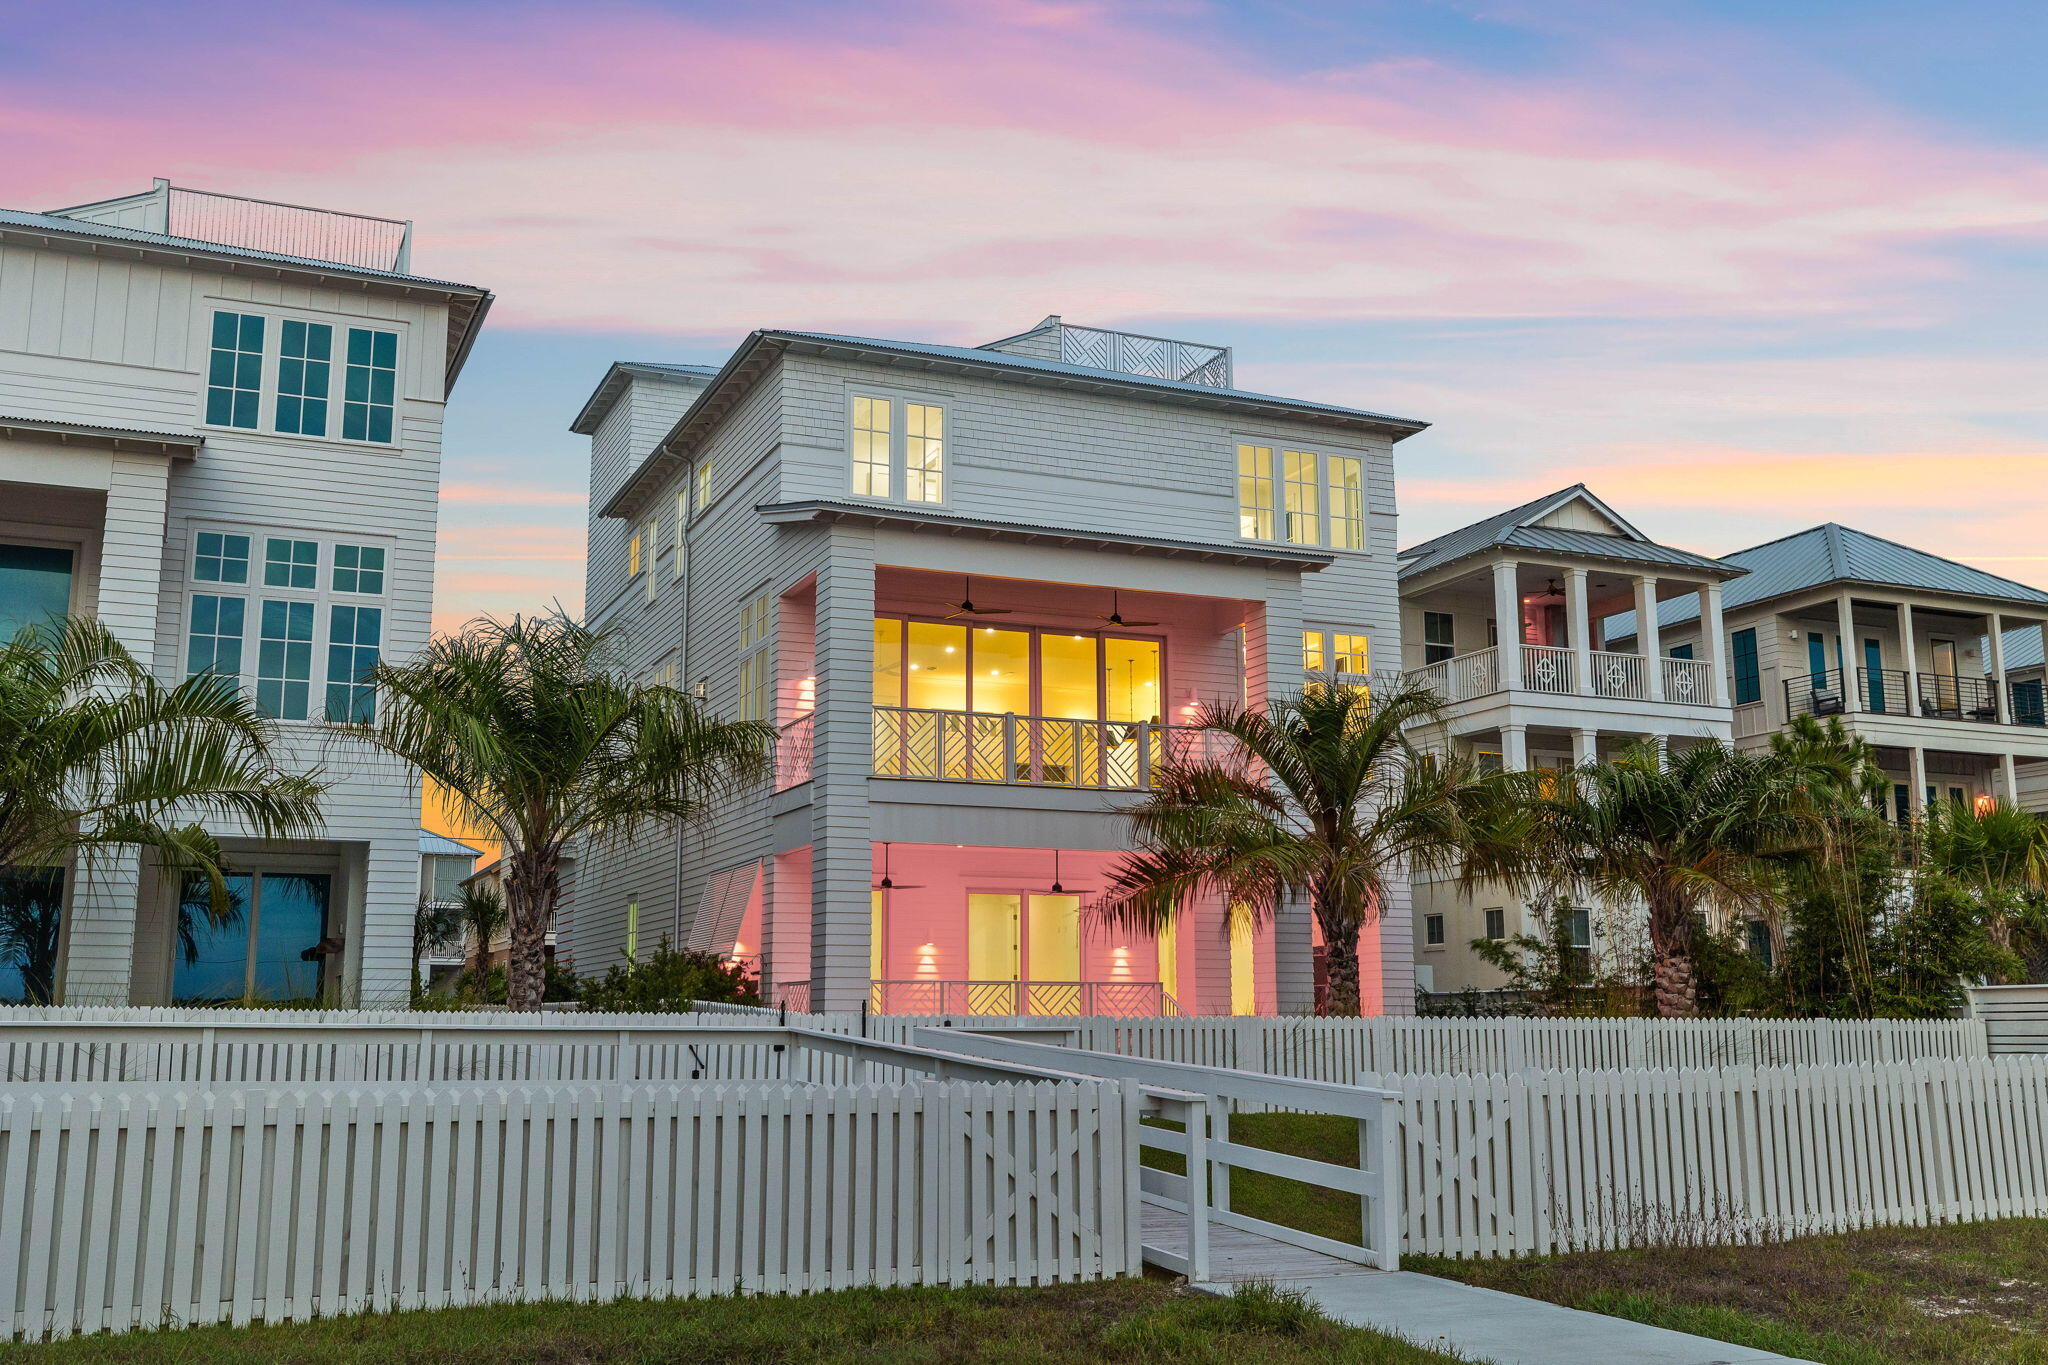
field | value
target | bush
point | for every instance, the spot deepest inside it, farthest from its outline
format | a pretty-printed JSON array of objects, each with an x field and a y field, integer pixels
[{"x": 667, "y": 982}]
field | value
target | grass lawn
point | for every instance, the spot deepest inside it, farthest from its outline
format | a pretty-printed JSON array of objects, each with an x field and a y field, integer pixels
[
  {"x": 1969, "y": 1294},
  {"x": 1140, "y": 1320}
]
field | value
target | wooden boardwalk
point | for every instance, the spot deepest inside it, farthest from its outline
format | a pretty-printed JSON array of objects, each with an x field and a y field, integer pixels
[{"x": 1236, "y": 1255}]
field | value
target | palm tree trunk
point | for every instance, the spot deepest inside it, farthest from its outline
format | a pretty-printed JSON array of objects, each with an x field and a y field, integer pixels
[
  {"x": 1340, "y": 967},
  {"x": 532, "y": 884},
  {"x": 1675, "y": 978}
]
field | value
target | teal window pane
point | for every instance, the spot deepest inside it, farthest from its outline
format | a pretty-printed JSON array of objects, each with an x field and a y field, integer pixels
[
  {"x": 234, "y": 370},
  {"x": 370, "y": 386},
  {"x": 221, "y": 558},
  {"x": 35, "y": 586},
  {"x": 291, "y": 916},
  {"x": 211, "y": 961},
  {"x": 215, "y": 644},
  {"x": 31, "y": 922},
  {"x": 358, "y": 568},
  {"x": 1748, "y": 676},
  {"x": 291, "y": 563},
  {"x": 284, "y": 660},
  {"x": 303, "y": 374},
  {"x": 354, "y": 635}
]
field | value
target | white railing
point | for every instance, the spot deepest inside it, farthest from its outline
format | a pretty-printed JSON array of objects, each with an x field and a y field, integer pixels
[
  {"x": 793, "y": 752},
  {"x": 289, "y": 229},
  {"x": 1201, "y": 1099},
  {"x": 1547, "y": 668},
  {"x": 1067, "y": 999},
  {"x": 1461, "y": 677},
  {"x": 1620, "y": 675},
  {"x": 1190, "y": 362},
  {"x": 1540, "y": 1162},
  {"x": 1688, "y": 680},
  {"x": 1032, "y": 751}
]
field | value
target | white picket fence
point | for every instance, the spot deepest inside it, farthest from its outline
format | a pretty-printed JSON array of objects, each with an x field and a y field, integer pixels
[
  {"x": 2015, "y": 1018},
  {"x": 127, "y": 1205},
  {"x": 1538, "y": 1162}
]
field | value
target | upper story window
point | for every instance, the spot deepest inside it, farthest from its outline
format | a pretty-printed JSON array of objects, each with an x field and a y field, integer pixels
[
  {"x": 757, "y": 619},
  {"x": 291, "y": 363},
  {"x": 636, "y": 552},
  {"x": 898, "y": 449},
  {"x": 703, "y": 485},
  {"x": 1748, "y": 679},
  {"x": 1342, "y": 654},
  {"x": 296, "y": 621},
  {"x": 1304, "y": 497},
  {"x": 1439, "y": 637},
  {"x": 1023, "y": 671}
]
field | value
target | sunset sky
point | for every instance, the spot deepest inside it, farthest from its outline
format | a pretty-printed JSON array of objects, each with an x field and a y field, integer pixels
[{"x": 1743, "y": 267}]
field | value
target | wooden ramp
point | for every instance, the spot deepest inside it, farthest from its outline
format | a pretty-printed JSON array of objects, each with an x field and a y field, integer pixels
[{"x": 1235, "y": 1254}]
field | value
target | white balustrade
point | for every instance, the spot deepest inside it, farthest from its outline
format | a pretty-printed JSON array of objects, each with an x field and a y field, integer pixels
[
  {"x": 1688, "y": 680},
  {"x": 1619, "y": 675},
  {"x": 1547, "y": 668}
]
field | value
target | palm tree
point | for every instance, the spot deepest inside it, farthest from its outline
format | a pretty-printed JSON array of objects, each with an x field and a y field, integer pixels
[
  {"x": 1706, "y": 827},
  {"x": 481, "y": 914},
  {"x": 530, "y": 733},
  {"x": 1999, "y": 854},
  {"x": 1321, "y": 797},
  {"x": 97, "y": 755}
]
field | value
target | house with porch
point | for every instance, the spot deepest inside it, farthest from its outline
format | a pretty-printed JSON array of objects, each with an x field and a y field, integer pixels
[
  {"x": 980, "y": 591},
  {"x": 220, "y": 425},
  {"x": 1553, "y": 689}
]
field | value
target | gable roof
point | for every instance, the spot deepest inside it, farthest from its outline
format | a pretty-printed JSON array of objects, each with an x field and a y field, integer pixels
[
  {"x": 1521, "y": 527},
  {"x": 467, "y": 303},
  {"x": 749, "y": 359},
  {"x": 616, "y": 379}
]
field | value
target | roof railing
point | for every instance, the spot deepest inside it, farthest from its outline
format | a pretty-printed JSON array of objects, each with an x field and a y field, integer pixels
[
  {"x": 1189, "y": 362},
  {"x": 353, "y": 239}
]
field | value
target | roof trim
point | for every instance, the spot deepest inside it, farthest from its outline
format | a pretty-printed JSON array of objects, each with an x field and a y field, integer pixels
[
  {"x": 765, "y": 344},
  {"x": 178, "y": 444},
  {"x": 911, "y": 519},
  {"x": 54, "y": 232},
  {"x": 613, "y": 386}
]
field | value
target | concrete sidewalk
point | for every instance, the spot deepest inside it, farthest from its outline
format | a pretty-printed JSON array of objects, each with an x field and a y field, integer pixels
[{"x": 1506, "y": 1329}]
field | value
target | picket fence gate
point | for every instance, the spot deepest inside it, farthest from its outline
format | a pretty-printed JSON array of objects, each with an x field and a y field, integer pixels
[
  {"x": 125, "y": 1206},
  {"x": 1541, "y": 1162}
]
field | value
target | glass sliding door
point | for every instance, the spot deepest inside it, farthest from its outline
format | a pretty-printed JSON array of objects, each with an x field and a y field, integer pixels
[
  {"x": 31, "y": 930},
  {"x": 35, "y": 586},
  {"x": 254, "y": 947}
]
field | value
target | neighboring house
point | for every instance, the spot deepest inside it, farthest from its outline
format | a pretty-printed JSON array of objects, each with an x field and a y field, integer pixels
[
  {"x": 491, "y": 877},
  {"x": 444, "y": 866},
  {"x": 1552, "y": 691},
  {"x": 220, "y": 430},
  {"x": 978, "y": 590}
]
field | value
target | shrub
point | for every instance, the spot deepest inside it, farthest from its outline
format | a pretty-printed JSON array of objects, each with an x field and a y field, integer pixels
[{"x": 666, "y": 982}]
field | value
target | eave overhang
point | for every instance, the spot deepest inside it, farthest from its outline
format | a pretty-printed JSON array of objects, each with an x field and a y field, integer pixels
[{"x": 178, "y": 445}]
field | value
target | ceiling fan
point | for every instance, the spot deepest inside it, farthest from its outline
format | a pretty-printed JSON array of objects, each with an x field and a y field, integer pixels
[
  {"x": 1116, "y": 614},
  {"x": 1057, "y": 889},
  {"x": 887, "y": 884},
  {"x": 965, "y": 606}
]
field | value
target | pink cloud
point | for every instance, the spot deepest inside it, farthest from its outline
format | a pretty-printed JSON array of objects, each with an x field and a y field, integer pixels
[{"x": 492, "y": 495}]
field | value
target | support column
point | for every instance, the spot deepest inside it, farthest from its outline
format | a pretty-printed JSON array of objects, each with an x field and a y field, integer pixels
[
  {"x": 1514, "y": 748},
  {"x": 1585, "y": 747},
  {"x": 2009, "y": 770},
  {"x": 1916, "y": 780},
  {"x": 1507, "y": 619},
  {"x": 1845, "y": 652},
  {"x": 1276, "y": 652},
  {"x": 1649, "y": 637},
  {"x": 1294, "y": 959},
  {"x": 1909, "y": 651},
  {"x": 2000, "y": 699},
  {"x": 1712, "y": 640},
  {"x": 842, "y": 849},
  {"x": 1578, "y": 619}
]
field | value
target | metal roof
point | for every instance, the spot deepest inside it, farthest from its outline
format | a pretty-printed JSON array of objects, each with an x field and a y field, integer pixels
[
  {"x": 2023, "y": 648},
  {"x": 613, "y": 385},
  {"x": 1514, "y": 529},
  {"x": 1834, "y": 553},
  {"x": 186, "y": 442},
  {"x": 440, "y": 845}
]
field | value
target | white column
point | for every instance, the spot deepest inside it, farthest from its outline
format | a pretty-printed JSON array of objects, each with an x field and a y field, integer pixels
[
  {"x": 1507, "y": 627},
  {"x": 1845, "y": 652},
  {"x": 2000, "y": 700},
  {"x": 2010, "y": 771},
  {"x": 1578, "y": 620},
  {"x": 842, "y": 760},
  {"x": 1649, "y": 638},
  {"x": 1712, "y": 640},
  {"x": 1585, "y": 747},
  {"x": 1514, "y": 748},
  {"x": 1909, "y": 656},
  {"x": 1916, "y": 780},
  {"x": 1662, "y": 744}
]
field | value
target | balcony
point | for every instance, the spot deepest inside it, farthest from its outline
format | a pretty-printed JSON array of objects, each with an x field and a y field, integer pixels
[
  {"x": 1120, "y": 999},
  {"x": 1550, "y": 669},
  {"x": 1895, "y": 692},
  {"x": 1024, "y": 751}
]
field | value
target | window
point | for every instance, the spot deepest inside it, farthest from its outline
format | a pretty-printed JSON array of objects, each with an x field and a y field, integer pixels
[
  {"x": 32, "y": 911},
  {"x": 1312, "y": 658},
  {"x": 1321, "y": 496},
  {"x": 234, "y": 371},
  {"x": 1582, "y": 929},
  {"x": 291, "y": 563},
  {"x": 898, "y": 444},
  {"x": 299, "y": 378},
  {"x": 215, "y": 643},
  {"x": 994, "y": 670},
  {"x": 35, "y": 586},
  {"x": 257, "y": 950},
  {"x": 369, "y": 385},
  {"x": 354, "y": 637},
  {"x": 1349, "y": 653},
  {"x": 1255, "y": 492},
  {"x": 358, "y": 568},
  {"x": 650, "y": 543},
  {"x": 1335, "y": 653},
  {"x": 1749, "y": 685},
  {"x": 1760, "y": 942},
  {"x": 284, "y": 659},
  {"x": 1433, "y": 929},
  {"x": 1496, "y": 924},
  {"x": 1439, "y": 637},
  {"x": 636, "y": 552},
  {"x": 682, "y": 525},
  {"x": 703, "y": 478},
  {"x": 305, "y": 352},
  {"x": 757, "y": 619},
  {"x": 218, "y": 557},
  {"x": 1681, "y": 651}
]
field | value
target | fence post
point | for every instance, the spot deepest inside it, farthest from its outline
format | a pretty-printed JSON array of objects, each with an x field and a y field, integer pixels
[{"x": 1198, "y": 1191}]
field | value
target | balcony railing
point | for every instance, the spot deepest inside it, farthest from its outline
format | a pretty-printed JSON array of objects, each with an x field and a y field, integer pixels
[
  {"x": 1688, "y": 680},
  {"x": 1895, "y": 692},
  {"x": 1030, "y": 751},
  {"x": 1461, "y": 677},
  {"x": 1620, "y": 675},
  {"x": 1548, "y": 668},
  {"x": 289, "y": 229},
  {"x": 1064, "y": 998},
  {"x": 1552, "y": 669},
  {"x": 793, "y": 752}
]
